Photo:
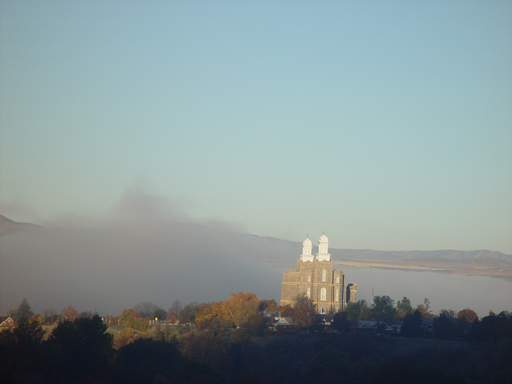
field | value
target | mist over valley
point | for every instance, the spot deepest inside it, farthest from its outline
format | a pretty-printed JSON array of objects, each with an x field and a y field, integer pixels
[{"x": 122, "y": 263}]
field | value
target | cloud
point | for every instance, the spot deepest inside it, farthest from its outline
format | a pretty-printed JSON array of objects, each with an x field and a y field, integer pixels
[{"x": 146, "y": 248}]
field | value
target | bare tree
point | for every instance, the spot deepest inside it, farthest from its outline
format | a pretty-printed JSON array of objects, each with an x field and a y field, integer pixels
[
  {"x": 174, "y": 312},
  {"x": 87, "y": 314},
  {"x": 69, "y": 313},
  {"x": 304, "y": 310},
  {"x": 49, "y": 315},
  {"x": 145, "y": 309}
]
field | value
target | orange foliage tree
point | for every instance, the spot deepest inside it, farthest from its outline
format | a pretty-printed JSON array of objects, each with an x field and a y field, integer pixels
[
  {"x": 468, "y": 314},
  {"x": 241, "y": 305},
  {"x": 424, "y": 309},
  {"x": 69, "y": 313},
  {"x": 236, "y": 310}
]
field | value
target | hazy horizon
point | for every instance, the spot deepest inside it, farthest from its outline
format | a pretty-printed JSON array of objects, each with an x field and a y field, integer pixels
[
  {"x": 139, "y": 254},
  {"x": 386, "y": 124}
]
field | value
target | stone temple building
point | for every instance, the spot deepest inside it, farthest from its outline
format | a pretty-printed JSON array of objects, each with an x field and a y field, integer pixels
[{"x": 315, "y": 278}]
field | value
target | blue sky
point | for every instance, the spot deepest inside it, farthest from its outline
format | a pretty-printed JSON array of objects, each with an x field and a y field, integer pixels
[{"x": 386, "y": 124}]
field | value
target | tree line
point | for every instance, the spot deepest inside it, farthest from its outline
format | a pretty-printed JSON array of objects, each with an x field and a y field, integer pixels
[{"x": 230, "y": 342}]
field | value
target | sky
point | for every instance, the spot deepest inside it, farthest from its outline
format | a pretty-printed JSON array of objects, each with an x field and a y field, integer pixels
[{"x": 386, "y": 124}]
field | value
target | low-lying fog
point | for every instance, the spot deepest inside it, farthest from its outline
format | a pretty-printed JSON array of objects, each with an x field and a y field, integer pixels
[{"x": 146, "y": 256}]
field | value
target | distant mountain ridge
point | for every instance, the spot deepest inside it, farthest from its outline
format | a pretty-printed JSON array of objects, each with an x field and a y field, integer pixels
[
  {"x": 282, "y": 253},
  {"x": 439, "y": 255},
  {"x": 119, "y": 265},
  {"x": 8, "y": 226}
]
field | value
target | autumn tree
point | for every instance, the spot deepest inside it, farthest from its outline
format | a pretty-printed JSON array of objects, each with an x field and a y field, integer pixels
[
  {"x": 286, "y": 310},
  {"x": 304, "y": 310},
  {"x": 131, "y": 319},
  {"x": 424, "y": 309},
  {"x": 68, "y": 313},
  {"x": 468, "y": 314},
  {"x": 37, "y": 318},
  {"x": 241, "y": 305},
  {"x": 88, "y": 314},
  {"x": 125, "y": 337},
  {"x": 206, "y": 313},
  {"x": 49, "y": 315},
  {"x": 24, "y": 311},
  {"x": 267, "y": 305},
  {"x": 174, "y": 312}
]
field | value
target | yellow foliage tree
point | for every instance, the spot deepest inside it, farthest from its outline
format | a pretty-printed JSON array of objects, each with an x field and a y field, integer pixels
[
  {"x": 468, "y": 314},
  {"x": 235, "y": 310},
  {"x": 36, "y": 319},
  {"x": 241, "y": 305},
  {"x": 68, "y": 313}
]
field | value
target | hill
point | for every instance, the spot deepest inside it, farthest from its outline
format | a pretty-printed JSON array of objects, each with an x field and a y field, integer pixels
[{"x": 128, "y": 263}]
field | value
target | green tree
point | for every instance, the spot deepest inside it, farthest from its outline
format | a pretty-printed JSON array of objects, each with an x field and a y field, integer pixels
[
  {"x": 80, "y": 349},
  {"x": 144, "y": 359},
  {"x": 254, "y": 325},
  {"x": 20, "y": 350},
  {"x": 24, "y": 311},
  {"x": 444, "y": 325},
  {"x": 159, "y": 314},
  {"x": 357, "y": 311},
  {"x": 383, "y": 309},
  {"x": 188, "y": 313},
  {"x": 411, "y": 326},
  {"x": 403, "y": 307},
  {"x": 340, "y": 322},
  {"x": 327, "y": 364}
]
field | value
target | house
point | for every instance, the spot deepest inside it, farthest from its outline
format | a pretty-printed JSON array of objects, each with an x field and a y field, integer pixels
[
  {"x": 6, "y": 321},
  {"x": 324, "y": 320},
  {"x": 427, "y": 326},
  {"x": 367, "y": 326},
  {"x": 275, "y": 320}
]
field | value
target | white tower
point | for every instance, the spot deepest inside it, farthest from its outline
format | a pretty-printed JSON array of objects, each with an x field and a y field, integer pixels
[
  {"x": 307, "y": 245},
  {"x": 323, "y": 245}
]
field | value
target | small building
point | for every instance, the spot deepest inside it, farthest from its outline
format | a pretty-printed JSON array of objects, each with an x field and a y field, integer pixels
[
  {"x": 368, "y": 326},
  {"x": 276, "y": 321},
  {"x": 324, "y": 320},
  {"x": 6, "y": 321}
]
